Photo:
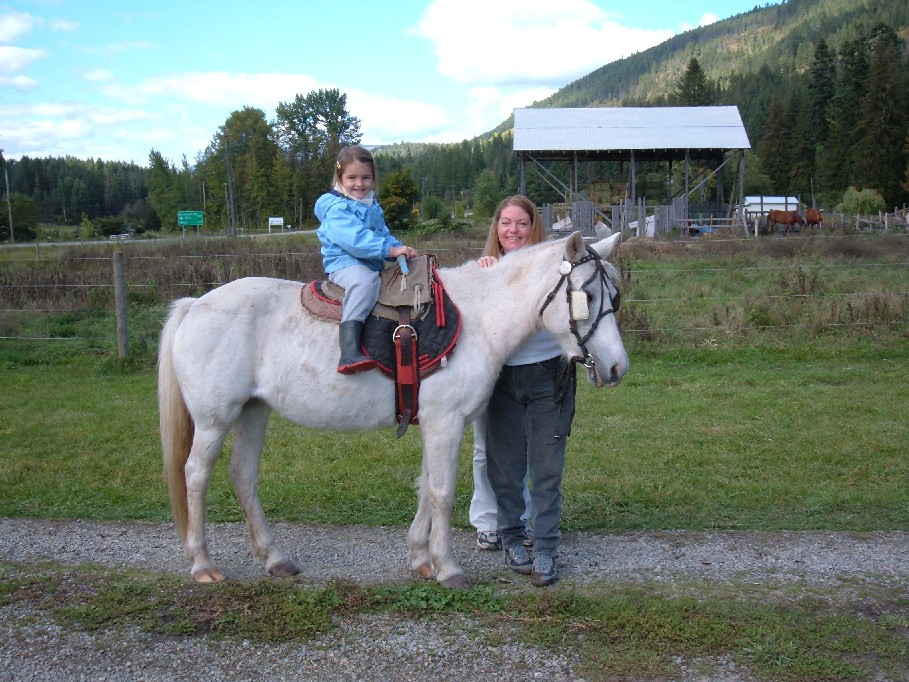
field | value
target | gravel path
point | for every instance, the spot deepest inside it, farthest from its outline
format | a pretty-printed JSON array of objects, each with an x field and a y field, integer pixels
[{"x": 382, "y": 647}]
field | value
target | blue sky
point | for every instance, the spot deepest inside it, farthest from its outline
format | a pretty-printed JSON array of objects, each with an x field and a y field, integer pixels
[{"x": 113, "y": 80}]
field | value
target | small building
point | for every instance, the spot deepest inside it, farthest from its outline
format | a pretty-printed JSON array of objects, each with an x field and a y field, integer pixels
[{"x": 762, "y": 205}]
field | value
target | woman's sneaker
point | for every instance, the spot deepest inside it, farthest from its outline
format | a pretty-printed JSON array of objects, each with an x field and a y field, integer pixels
[
  {"x": 488, "y": 540},
  {"x": 527, "y": 539},
  {"x": 517, "y": 558},
  {"x": 544, "y": 571}
]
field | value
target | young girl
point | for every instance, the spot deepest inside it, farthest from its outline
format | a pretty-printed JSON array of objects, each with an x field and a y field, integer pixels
[{"x": 355, "y": 245}]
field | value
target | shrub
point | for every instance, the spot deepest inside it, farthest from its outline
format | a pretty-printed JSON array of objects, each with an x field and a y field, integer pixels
[{"x": 864, "y": 202}]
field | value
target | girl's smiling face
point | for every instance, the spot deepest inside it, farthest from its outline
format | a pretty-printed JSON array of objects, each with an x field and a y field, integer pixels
[
  {"x": 513, "y": 228},
  {"x": 356, "y": 179}
]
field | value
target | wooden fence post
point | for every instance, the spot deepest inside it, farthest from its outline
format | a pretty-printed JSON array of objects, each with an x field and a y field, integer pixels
[{"x": 120, "y": 302}]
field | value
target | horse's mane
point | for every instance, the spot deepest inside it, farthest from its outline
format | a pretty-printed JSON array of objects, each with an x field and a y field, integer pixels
[{"x": 494, "y": 286}]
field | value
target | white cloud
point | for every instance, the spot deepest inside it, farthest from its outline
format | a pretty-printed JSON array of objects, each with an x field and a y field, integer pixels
[
  {"x": 15, "y": 24},
  {"x": 118, "y": 48},
  {"x": 526, "y": 42},
  {"x": 705, "y": 20},
  {"x": 98, "y": 75},
  {"x": 19, "y": 82},
  {"x": 64, "y": 25},
  {"x": 263, "y": 90},
  {"x": 386, "y": 120},
  {"x": 489, "y": 106},
  {"x": 14, "y": 59}
]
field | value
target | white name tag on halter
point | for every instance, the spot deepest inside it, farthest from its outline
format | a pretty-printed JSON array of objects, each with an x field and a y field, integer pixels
[{"x": 579, "y": 308}]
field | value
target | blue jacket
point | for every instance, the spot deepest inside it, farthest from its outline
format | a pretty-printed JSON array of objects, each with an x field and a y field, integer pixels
[{"x": 352, "y": 232}]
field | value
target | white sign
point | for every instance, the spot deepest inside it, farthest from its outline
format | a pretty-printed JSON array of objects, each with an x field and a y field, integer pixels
[{"x": 276, "y": 221}]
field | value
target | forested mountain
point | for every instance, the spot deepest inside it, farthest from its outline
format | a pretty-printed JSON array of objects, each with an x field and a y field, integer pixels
[
  {"x": 821, "y": 85},
  {"x": 777, "y": 41}
]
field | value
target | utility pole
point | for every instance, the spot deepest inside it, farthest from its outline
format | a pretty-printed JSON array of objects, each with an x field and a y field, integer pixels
[
  {"x": 231, "y": 204},
  {"x": 422, "y": 196},
  {"x": 9, "y": 203}
]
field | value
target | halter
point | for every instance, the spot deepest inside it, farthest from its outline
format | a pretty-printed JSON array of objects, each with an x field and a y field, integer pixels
[{"x": 606, "y": 287}]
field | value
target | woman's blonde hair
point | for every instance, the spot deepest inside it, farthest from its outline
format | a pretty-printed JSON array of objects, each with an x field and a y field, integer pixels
[
  {"x": 537, "y": 234},
  {"x": 350, "y": 155}
]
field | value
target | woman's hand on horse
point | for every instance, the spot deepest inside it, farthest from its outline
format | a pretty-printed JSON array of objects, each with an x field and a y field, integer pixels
[{"x": 487, "y": 261}]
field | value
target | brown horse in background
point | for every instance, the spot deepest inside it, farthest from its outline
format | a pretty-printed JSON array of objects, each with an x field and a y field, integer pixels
[
  {"x": 814, "y": 219},
  {"x": 785, "y": 218}
]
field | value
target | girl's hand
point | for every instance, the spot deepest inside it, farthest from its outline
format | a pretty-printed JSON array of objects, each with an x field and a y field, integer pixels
[
  {"x": 405, "y": 251},
  {"x": 487, "y": 261}
]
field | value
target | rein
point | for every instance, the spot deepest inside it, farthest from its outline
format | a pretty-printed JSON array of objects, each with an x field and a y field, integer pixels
[{"x": 606, "y": 287}]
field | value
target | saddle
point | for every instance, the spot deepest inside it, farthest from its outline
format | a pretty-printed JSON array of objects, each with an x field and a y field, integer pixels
[{"x": 410, "y": 333}]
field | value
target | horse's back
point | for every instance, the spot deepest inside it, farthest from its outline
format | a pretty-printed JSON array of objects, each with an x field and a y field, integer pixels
[{"x": 252, "y": 339}]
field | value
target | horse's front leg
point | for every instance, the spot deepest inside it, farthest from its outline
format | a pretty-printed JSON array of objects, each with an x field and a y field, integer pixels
[
  {"x": 249, "y": 440},
  {"x": 431, "y": 527},
  {"x": 418, "y": 535},
  {"x": 198, "y": 471}
]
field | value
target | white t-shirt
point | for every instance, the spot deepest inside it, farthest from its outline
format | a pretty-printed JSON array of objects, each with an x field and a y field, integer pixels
[{"x": 541, "y": 346}]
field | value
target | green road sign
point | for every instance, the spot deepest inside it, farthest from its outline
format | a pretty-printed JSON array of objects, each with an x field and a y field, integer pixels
[{"x": 186, "y": 218}]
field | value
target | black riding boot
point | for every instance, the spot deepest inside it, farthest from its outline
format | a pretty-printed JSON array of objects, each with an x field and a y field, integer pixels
[{"x": 352, "y": 360}]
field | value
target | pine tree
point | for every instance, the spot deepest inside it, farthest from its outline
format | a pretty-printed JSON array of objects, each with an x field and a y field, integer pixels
[
  {"x": 801, "y": 149},
  {"x": 775, "y": 147},
  {"x": 878, "y": 149},
  {"x": 821, "y": 89},
  {"x": 695, "y": 89},
  {"x": 835, "y": 162}
]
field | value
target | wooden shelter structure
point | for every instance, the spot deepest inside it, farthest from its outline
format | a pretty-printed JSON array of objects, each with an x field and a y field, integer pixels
[{"x": 629, "y": 134}]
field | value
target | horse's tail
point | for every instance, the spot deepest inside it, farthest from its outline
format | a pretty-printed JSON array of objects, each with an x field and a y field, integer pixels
[{"x": 176, "y": 423}]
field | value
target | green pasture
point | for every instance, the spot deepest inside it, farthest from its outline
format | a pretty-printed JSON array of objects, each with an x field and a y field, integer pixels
[{"x": 809, "y": 436}]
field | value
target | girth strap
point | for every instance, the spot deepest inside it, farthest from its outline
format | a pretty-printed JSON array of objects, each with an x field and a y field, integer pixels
[{"x": 407, "y": 377}]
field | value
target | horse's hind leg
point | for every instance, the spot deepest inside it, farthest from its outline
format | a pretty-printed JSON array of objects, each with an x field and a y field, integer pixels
[
  {"x": 249, "y": 440},
  {"x": 200, "y": 464}
]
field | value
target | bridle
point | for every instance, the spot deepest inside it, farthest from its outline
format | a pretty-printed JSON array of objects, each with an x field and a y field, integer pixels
[{"x": 607, "y": 286}]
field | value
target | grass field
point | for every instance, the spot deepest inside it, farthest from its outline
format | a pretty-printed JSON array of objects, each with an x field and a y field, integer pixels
[{"x": 768, "y": 391}]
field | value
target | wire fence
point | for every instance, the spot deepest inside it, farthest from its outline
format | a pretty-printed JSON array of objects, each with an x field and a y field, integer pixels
[{"x": 857, "y": 287}]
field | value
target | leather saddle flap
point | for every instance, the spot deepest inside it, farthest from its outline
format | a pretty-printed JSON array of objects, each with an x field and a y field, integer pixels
[{"x": 413, "y": 290}]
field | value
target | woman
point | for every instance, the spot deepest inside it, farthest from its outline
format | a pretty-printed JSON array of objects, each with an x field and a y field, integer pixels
[{"x": 528, "y": 419}]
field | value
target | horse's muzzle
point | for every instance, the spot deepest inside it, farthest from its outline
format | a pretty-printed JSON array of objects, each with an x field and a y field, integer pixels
[{"x": 611, "y": 378}]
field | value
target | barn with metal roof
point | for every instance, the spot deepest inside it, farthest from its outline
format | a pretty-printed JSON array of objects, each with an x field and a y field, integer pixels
[{"x": 631, "y": 134}]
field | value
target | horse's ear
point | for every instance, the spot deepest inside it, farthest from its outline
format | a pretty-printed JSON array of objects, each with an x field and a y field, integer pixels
[
  {"x": 574, "y": 245},
  {"x": 604, "y": 247}
]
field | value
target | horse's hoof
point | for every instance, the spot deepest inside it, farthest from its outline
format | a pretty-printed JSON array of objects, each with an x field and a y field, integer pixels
[
  {"x": 208, "y": 575},
  {"x": 423, "y": 571},
  {"x": 284, "y": 569},
  {"x": 458, "y": 581}
]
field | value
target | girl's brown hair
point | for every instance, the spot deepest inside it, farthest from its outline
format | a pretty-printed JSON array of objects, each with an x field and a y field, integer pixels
[{"x": 537, "y": 233}]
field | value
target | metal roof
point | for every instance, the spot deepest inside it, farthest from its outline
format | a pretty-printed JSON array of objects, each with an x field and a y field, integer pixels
[{"x": 629, "y": 128}]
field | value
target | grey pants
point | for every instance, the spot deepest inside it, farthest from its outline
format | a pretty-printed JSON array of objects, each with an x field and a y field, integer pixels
[
  {"x": 361, "y": 291},
  {"x": 528, "y": 421}
]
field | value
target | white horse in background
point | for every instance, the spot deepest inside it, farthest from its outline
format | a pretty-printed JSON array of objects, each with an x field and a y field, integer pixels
[{"x": 230, "y": 358}]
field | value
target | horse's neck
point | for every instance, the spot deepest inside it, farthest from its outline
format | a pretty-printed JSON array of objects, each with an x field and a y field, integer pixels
[{"x": 498, "y": 310}]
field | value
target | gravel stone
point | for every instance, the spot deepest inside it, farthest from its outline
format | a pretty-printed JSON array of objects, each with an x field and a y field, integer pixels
[{"x": 387, "y": 647}]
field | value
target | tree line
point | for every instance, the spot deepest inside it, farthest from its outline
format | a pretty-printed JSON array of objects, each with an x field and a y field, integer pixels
[{"x": 841, "y": 123}]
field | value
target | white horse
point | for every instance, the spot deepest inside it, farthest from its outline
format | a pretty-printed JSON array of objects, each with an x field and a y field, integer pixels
[{"x": 230, "y": 358}]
